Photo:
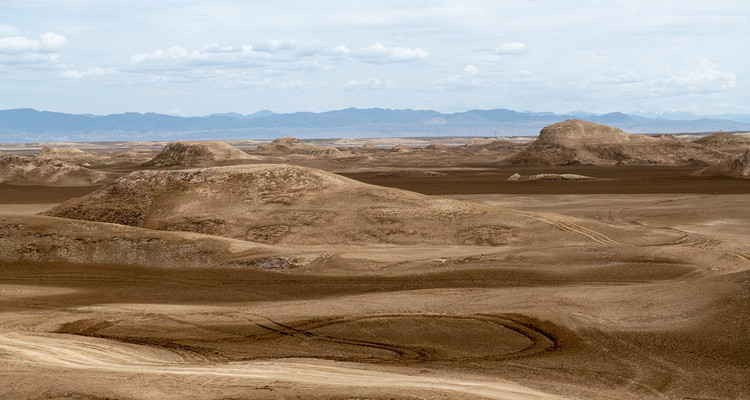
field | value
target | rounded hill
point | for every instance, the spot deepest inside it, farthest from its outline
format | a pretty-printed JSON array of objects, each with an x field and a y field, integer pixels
[
  {"x": 197, "y": 153},
  {"x": 296, "y": 205}
]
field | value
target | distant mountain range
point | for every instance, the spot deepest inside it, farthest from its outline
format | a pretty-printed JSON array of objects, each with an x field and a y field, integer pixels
[{"x": 29, "y": 125}]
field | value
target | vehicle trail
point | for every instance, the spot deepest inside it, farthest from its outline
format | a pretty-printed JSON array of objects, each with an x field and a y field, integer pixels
[{"x": 49, "y": 350}]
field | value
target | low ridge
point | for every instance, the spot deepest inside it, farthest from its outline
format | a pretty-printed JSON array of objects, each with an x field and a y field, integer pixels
[
  {"x": 291, "y": 145},
  {"x": 726, "y": 142},
  {"x": 69, "y": 154},
  {"x": 33, "y": 170}
]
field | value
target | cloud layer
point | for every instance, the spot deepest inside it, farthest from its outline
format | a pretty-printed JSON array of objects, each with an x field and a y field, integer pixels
[
  {"x": 291, "y": 55},
  {"x": 19, "y": 50}
]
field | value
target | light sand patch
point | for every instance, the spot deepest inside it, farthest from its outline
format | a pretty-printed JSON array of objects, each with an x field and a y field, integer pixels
[
  {"x": 22, "y": 291},
  {"x": 25, "y": 209}
]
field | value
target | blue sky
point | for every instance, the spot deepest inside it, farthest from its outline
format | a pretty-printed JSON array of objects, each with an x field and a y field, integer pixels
[{"x": 200, "y": 57}]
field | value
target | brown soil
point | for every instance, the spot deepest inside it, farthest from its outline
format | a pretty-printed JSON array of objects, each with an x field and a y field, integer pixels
[
  {"x": 617, "y": 179},
  {"x": 631, "y": 286}
]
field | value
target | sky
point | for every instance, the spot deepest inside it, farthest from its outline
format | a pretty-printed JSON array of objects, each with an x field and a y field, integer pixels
[{"x": 194, "y": 58}]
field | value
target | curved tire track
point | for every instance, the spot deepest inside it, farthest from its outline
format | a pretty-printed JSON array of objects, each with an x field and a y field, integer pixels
[{"x": 22, "y": 350}]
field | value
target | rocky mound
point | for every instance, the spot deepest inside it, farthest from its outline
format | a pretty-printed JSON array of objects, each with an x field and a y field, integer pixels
[
  {"x": 725, "y": 142},
  {"x": 297, "y": 205},
  {"x": 290, "y": 145},
  {"x": 197, "y": 153},
  {"x": 580, "y": 142},
  {"x": 69, "y": 154},
  {"x": 735, "y": 167},
  {"x": 32, "y": 170},
  {"x": 400, "y": 148}
]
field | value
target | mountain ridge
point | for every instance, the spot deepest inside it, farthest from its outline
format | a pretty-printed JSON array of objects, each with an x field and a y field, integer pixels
[{"x": 29, "y": 125}]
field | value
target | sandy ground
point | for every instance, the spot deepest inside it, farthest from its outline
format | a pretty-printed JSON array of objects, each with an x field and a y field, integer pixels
[{"x": 650, "y": 302}]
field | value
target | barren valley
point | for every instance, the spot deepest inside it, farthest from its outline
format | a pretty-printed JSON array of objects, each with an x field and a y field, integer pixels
[{"x": 613, "y": 266}]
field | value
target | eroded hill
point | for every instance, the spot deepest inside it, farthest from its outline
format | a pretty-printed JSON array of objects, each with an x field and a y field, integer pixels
[
  {"x": 581, "y": 142},
  {"x": 298, "y": 205}
]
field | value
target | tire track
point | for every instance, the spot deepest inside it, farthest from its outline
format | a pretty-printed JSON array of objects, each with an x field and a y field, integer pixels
[
  {"x": 540, "y": 341},
  {"x": 29, "y": 351},
  {"x": 588, "y": 234}
]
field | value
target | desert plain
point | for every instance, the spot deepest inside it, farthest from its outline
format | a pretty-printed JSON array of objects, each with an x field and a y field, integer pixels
[{"x": 587, "y": 263}]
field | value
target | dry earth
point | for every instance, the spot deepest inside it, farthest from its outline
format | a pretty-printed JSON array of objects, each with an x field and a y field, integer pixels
[{"x": 270, "y": 281}]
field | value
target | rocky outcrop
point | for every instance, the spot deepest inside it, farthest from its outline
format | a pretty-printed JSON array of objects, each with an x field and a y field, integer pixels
[{"x": 580, "y": 142}]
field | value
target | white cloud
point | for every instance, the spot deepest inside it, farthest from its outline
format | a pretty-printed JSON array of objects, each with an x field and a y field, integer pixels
[
  {"x": 698, "y": 75},
  {"x": 341, "y": 49},
  {"x": 702, "y": 75},
  {"x": 378, "y": 54},
  {"x": 368, "y": 84},
  {"x": 295, "y": 84},
  {"x": 270, "y": 46},
  {"x": 285, "y": 54},
  {"x": 511, "y": 48},
  {"x": 52, "y": 41},
  {"x": 217, "y": 48},
  {"x": 172, "y": 53},
  {"x": 87, "y": 74},
  {"x": 47, "y": 43},
  {"x": 469, "y": 79}
]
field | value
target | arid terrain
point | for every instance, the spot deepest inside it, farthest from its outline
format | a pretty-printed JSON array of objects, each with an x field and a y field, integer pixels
[{"x": 614, "y": 266}]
